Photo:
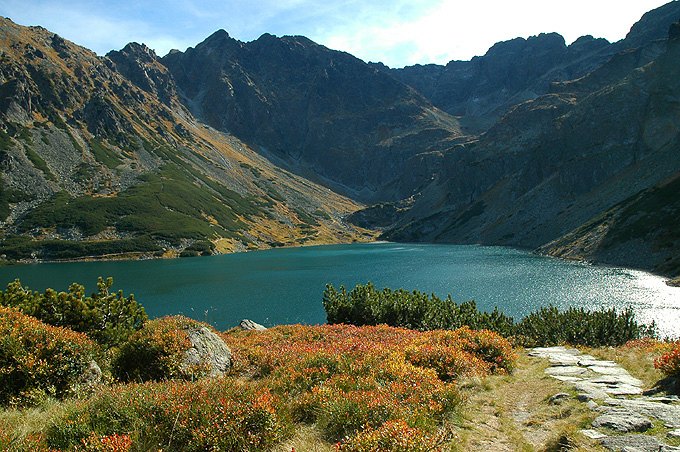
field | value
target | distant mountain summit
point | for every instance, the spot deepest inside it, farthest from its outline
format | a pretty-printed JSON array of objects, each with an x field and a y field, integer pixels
[{"x": 321, "y": 113}]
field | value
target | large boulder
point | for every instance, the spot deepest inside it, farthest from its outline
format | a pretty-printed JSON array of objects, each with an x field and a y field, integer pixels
[
  {"x": 172, "y": 348},
  {"x": 249, "y": 325},
  {"x": 207, "y": 351}
]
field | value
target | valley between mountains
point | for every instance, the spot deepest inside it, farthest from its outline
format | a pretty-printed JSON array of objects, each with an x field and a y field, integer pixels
[{"x": 571, "y": 150}]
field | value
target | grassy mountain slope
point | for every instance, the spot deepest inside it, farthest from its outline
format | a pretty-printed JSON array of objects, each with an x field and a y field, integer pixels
[{"x": 92, "y": 164}]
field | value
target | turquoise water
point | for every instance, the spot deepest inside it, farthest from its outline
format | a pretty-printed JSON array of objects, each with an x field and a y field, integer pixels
[{"x": 286, "y": 285}]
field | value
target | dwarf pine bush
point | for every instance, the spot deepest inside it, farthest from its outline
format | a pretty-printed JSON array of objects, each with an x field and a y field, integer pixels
[
  {"x": 108, "y": 318},
  {"x": 365, "y": 305}
]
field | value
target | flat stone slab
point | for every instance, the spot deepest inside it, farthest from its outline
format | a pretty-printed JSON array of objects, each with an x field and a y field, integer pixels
[
  {"x": 641, "y": 443},
  {"x": 596, "y": 362},
  {"x": 669, "y": 414},
  {"x": 608, "y": 370},
  {"x": 594, "y": 390},
  {"x": 617, "y": 380},
  {"x": 674, "y": 434},
  {"x": 592, "y": 434},
  {"x": 567, "y": 378},
  {"x": 623, "y": 421},
  {"x": 566, "y": 370},
  {"x": 545, "y": 352}
]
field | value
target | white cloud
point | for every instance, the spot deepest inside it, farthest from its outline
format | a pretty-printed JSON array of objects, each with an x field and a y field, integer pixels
[
  {"x": 460, "y": 30},
  {"x": 397, "y": 32}
]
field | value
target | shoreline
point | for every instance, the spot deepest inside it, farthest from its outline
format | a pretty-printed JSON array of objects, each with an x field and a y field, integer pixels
[{"x": 670, "y": 280}]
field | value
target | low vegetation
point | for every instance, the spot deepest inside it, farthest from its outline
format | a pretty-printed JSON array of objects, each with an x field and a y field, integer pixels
[
  {"x": 366, "y": 305},
  {"x": 108, "y": 318},
  {"x": 155, "y": 352},
  {"x": 39, "y": 360},
  {"x": 341, "y": 386}
]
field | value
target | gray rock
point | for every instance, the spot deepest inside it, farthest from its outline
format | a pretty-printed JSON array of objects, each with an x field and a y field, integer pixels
[
  {"x": 642, "y": 443},
  {"x": 669, "y": 414},
  {"x": 249, "y": 325},
  {"x": 583, "y": 397},
  {"x": 594, "y": 390},
  {"x": 616, "y": 380},
  {"x": 592, "y": 405},
  {"x": 592, "y": 434},
  {"x": 567, "y": 378},
  {"x": 674, "y": 434},
  {"x": 569, "y": 371},
  {"x": 623, "y": 421},
  {"x": 207, "y": 348},
  {"x": 557, "y": 399},
  {"x": 91, "y": 376}
]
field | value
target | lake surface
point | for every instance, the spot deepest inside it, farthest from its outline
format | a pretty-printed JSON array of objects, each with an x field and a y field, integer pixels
[{"x": 285, "y": 285}]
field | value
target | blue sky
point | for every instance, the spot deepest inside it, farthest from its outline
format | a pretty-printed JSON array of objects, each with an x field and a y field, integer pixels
[{"x": 396, "y": 32}]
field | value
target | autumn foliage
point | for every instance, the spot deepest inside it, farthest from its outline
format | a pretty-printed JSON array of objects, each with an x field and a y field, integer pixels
[
  {"x": 39, "y": 360},
  {"x": 364, "y": 388},
  {"x": 156, "y": 351},
  {"x": 669, "y": 362}
]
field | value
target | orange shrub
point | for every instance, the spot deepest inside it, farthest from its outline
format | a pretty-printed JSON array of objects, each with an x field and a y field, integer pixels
[
  {"x": 111, "y": 443},
  {"x": 669, "y": 362},
  {"x": 347, "y": 378},
  {"x": 37, "y": 360},
  {"x": 218, "y": 414}
]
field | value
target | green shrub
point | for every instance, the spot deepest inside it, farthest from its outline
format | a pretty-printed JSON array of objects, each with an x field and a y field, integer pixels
[
  {"x": 108, "y": 318},
  {"x": 577, "y": 326},
  {"x": 365, "y": 305},
  {"x": 38, "y": 360},
  {"x": 218, "y": 414},
  {"x": 156, "y": 352}
]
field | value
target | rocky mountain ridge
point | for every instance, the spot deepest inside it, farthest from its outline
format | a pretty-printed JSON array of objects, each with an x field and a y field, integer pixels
[
  {"x": 482, "y": 90},
  {"x": 594, "y": 162},
  {"x": 99, "y": 157},
  {"x": 322, "y": 113}
]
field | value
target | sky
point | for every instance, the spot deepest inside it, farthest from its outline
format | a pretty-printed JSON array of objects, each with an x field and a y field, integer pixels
[{"x": 395, "y": 32}]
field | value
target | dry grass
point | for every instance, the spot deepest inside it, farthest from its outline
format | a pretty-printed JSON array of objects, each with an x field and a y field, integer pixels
[
  {"x": 513, "y": 413},
  {"x": 639, "y": 361},
  {"x": 27, "y": 422},
  {"x": 306, "y": 439}
]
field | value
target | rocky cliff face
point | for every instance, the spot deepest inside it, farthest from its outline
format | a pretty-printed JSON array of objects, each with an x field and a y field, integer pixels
[
  {"x": 321, "y": 113},
  {"x": 99, "y": 157},
  {"x": 557, "y": 162},
  {"x": 483, "y": 89}
]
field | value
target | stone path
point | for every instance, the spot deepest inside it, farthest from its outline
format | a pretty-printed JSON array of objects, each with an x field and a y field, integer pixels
[{"x": 608, "y": 389}]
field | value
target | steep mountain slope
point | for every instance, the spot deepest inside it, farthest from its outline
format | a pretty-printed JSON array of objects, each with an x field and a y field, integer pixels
[
  {"x": 321, "y": 113},
  {"x": 483, "y": 89},
  {"x": 555, "y": 163},
  {"x": 94, "y": 163}
]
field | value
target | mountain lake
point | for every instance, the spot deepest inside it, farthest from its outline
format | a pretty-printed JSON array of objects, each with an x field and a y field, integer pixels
[{"x": 285, "y": 285}]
